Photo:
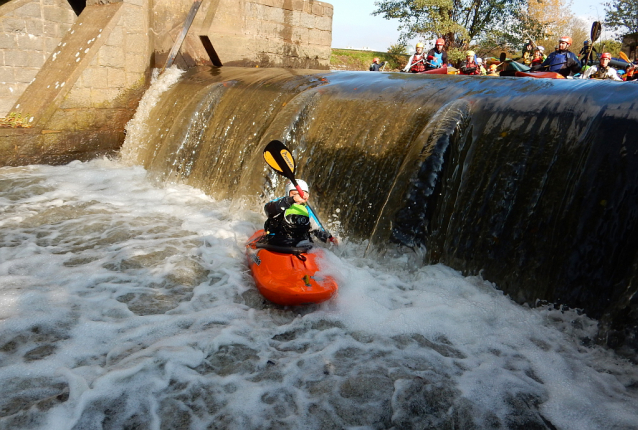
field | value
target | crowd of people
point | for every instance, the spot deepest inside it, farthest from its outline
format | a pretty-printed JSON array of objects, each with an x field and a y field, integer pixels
[{"x": 561, "y": 61}]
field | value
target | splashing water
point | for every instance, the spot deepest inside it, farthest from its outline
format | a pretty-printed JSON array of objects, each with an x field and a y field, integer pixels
[{"x": 128, "y": 305}]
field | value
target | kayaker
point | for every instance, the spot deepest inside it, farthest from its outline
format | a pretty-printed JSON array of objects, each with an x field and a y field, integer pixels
[
  {"x": 416, "y": 63},
  {"x": 436, "y": 57},
  {"x": 479, "y": 63},
  {"x": 539, "y": 57},
  {"x": 563, "y": 61},
  {"x": 602, "y": 70},
  {"x": 469, "y": 67},
  {"x": 376, "y": 66},
  {"x": 632, "y": 71},
  {"x": 583, "y": 53},
  {"x": 528, "y": 52},
  {"x": 290, "y": 220}
]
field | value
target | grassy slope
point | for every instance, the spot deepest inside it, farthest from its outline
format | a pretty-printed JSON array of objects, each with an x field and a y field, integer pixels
[{"x": 349, "y": 59}]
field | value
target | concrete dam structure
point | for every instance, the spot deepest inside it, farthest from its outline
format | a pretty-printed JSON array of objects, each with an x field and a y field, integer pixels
[{"x": 76, "y": 79}]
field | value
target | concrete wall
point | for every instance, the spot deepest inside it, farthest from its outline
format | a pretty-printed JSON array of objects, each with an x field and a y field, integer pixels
[
  {"x": 273, "y": 33},
  {"x": 88, "y": 83},
  {"x": 87, "y": 90},
  {"x": 249, "y": 33},
  {"x": 30, "y": 30}
]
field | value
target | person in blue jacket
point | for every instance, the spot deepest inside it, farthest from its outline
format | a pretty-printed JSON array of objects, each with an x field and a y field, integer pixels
[
  {"x": 562, "y": 60},
  {"x": 437, "y": 57},
  {"x": 291, "y": 220}
]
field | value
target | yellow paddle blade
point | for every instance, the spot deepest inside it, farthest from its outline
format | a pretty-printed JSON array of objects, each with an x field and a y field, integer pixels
[
  {"x": 624, "y": 56},
  {"x": 287, "y": 156},
  {"x": 271, "y": 162}
]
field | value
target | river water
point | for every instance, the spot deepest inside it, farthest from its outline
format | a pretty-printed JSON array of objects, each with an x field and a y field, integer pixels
[{"x": 127, "y": 303}]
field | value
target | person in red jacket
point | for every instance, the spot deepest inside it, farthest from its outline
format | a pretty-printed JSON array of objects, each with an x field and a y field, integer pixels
[
  {"x": 469, "y": 67},
  {"x": 416, "y": 63}
]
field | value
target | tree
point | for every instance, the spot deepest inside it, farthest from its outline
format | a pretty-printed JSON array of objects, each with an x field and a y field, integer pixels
[
  {"x": 457, "y": 21},
  {"x": 622, "y": 15},
  {"x": 542, "y": 21}
]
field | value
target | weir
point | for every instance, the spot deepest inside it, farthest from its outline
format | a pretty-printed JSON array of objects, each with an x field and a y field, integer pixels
[{"x": 531, "y": 183}]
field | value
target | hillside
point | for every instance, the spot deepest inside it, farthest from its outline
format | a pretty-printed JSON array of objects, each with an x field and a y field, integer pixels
[{"x": 350, "y": 59}]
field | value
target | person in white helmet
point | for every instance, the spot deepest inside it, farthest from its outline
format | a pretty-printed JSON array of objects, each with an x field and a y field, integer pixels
[
  {"x": 479, "y": 63},
  {"x": 602, "y": 70},
  {"x": 291, "y": 220},
  {"x": 416, "y": 63}
]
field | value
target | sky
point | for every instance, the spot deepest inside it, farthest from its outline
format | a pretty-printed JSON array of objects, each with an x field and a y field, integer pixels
[{"x": 353, "y": 26}]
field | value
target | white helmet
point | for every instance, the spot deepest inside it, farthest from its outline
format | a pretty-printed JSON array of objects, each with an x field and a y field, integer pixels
[
  {"x": 540, "y": 48},
  {"x": 479, "y": 61},
  {"x": 302, "y": 185}
]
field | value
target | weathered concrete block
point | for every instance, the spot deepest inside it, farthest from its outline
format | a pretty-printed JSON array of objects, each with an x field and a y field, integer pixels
[
  {"x": 271, "y": 29},
  {"x": 29, "y": 10},
  {"x": 307, "y": 20},
  {"x": 76, "y": 98},
  {"x": 57, "y": 14},
  {"x": 319, "y": 37},
  {"x": 14, "y": 25},
  {"x": 134, "y": 19},
  {"x": 112, "y": 56},
  {"x": 63, "y": 29},
  {"x": 317, "y": 9},
  {"x": 116, "y": 38},
  {"x": 137, "y": 43},
  {"x": 300, "y": 35},
  {"x": 135, "y": 79},
  {"x": 7, "y": 89},
  {"x": 274, "y": 14},
  {"x": 50, "y": 29},
  {"x": 6, "y": 103},
  {"x": 6, "y": 74},
  {"x": 328, "y": 10},
  {"x": 35, "y": 27},
  {"x": 51, "y": 44},
  {"x": 103, "y": 97},
  {"x": 29, "y": 42},
  {"x": 95, "y": 77},
  {"x": 64, "y": 120},
  {"x": 135, "y": 62},
  {"x": 323, "y": 23},
  {"x": 25, "y": 75},
  {"x": 16, "y": 58},
  {"x": 116, "y": 78},
  {"x": 7, "y": 41}
]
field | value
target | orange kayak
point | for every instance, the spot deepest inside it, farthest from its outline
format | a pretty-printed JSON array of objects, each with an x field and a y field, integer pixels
[
  {"x": 545, "y": 75},
  {"x": 439, "y": 71},
  {"x": 288, "y": 276}
]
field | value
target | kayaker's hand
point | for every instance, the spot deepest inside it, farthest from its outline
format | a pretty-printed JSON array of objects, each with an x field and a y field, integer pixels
[
  {"x": 299, "y": 199},
  {"x": 334, "y": 240}
]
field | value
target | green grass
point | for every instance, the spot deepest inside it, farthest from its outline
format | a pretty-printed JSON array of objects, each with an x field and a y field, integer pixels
[{"x": 349, "y": 59}]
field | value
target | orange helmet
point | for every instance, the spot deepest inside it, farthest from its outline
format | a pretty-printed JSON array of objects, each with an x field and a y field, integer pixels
[
  {"x": 440, "y": 41},
  {"x": 565, "y": 39},
  {"x": 375, "y": 60},
  {"x": 605, "y": 55}
]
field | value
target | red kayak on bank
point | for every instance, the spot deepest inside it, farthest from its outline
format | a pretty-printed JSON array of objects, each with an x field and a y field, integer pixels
[
  {"x": 288, "y": 275},
  {"x": 542, "y": 75}
]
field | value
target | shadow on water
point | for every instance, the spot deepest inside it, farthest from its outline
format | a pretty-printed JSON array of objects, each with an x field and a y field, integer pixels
[{"x": 530, "y": 182}]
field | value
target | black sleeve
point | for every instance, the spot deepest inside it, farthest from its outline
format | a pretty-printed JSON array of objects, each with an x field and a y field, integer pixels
[
  {"x": 322, "y": 235},
  {"x": 279, "y": 206},
  {"x": 444, "y": 58}
]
